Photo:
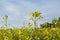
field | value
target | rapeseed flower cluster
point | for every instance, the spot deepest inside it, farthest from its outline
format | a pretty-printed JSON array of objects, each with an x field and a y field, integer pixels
[{"x": 30, "y": 34}]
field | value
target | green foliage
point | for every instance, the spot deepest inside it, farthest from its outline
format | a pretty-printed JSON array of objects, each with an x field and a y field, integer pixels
[{"x": 55, "y": 23}]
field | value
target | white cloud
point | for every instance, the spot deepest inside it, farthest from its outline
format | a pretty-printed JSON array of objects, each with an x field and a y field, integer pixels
[{"x": 10, "y": 8}]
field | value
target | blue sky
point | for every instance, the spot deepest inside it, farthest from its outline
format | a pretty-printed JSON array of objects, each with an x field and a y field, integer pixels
[{"x": 18, "y": 11}]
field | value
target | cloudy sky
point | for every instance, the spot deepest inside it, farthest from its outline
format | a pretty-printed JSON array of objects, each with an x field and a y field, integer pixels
[{"x": 18, "y": 11}]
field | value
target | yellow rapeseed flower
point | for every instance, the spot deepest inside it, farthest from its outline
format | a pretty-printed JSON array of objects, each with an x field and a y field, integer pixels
[
  {"x": 45, "y": 37},
  {"x": 57, "y": 32},
  {"x": 27, "y": 37},
  {"x": 6, "y": 38},
  {"x": 46, "y": 32},
  {"x": 20, "y": 32},
  {"x": 53, "y": 29}
]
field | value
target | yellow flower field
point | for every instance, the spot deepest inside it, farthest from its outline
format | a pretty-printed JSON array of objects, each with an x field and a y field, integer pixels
[{"x": 30, "y": 34}]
